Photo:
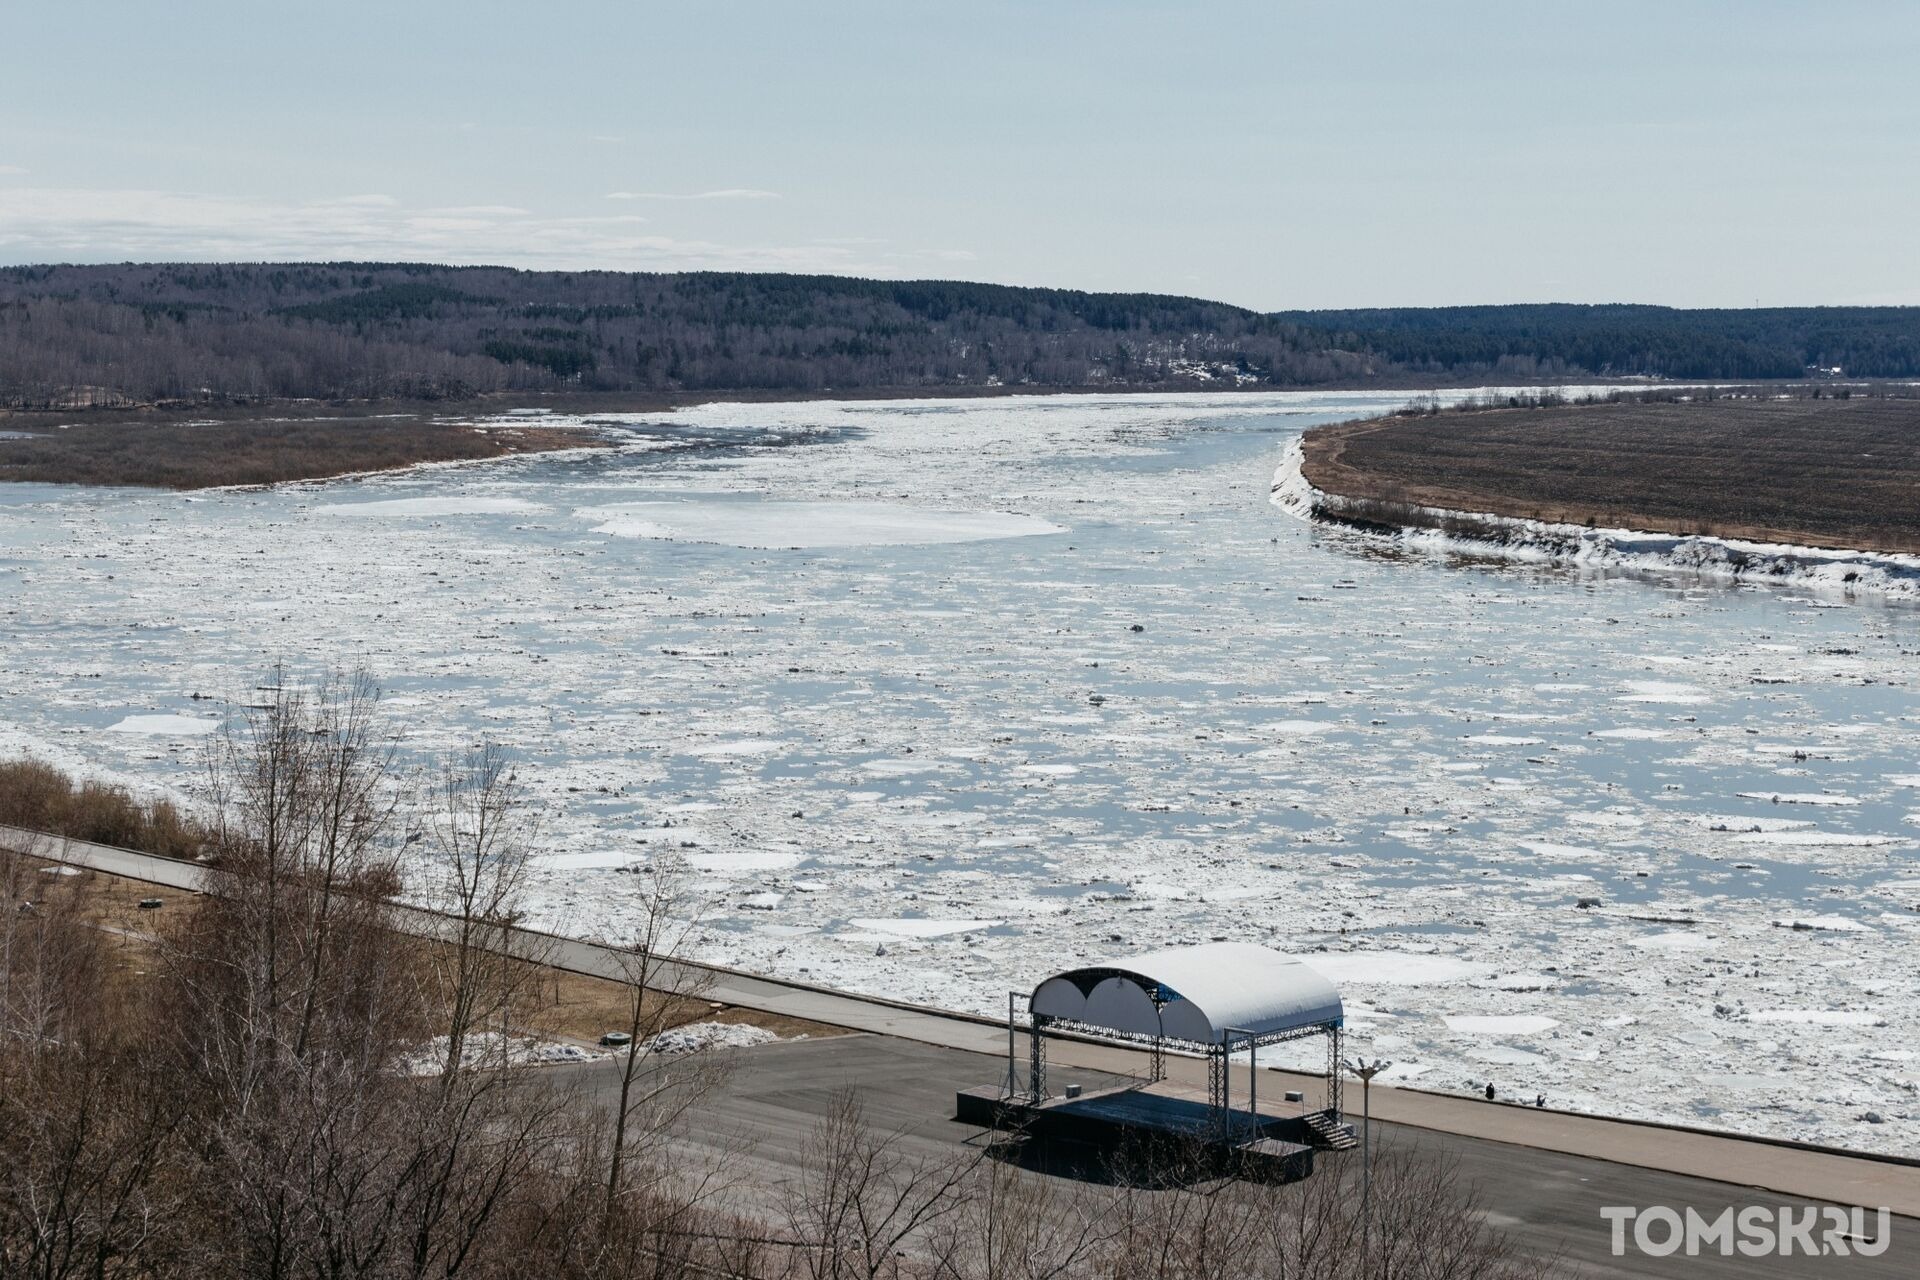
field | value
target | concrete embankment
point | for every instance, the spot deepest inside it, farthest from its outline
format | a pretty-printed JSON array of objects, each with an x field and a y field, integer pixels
[{"x": 1817, "y": 1173}]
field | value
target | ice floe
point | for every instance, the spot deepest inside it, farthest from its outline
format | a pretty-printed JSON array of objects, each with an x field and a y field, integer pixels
[
  {"x": 463, "y": 505},
  {"x": 780, "y": 525},
  {"x": 1507, "y": 1024},
  {"x": 165, "y": 726}
]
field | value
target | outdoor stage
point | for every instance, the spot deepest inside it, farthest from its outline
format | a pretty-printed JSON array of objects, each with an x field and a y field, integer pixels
[
  {"x": 1217, "y": 1001},
  {"x": 1151, "y": 1123}
]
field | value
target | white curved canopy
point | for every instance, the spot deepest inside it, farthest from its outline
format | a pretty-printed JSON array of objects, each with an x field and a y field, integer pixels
[{"x": 1194, "y": 994}]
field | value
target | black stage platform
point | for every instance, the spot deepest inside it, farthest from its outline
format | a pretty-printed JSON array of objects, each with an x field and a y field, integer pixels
[{"x": 1132, "y": 1117}]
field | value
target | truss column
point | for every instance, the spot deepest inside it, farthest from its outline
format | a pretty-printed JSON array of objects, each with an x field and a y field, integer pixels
[
  {"x": 1333, "y": 1073},
  {"x": 1217, "y": 1088},
  {"x": 1037, "y": 1058},
  {"x": 1253, "y": 1086},
  {"x": 1013, "y": 1074}
]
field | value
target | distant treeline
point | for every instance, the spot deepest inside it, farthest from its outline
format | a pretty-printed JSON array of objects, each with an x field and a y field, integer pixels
[
  {"x": 73, "y": 336},
  {"x": 1562, "y": 340}
]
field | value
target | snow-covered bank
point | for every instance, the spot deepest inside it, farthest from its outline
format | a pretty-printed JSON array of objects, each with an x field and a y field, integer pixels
[{"x": 1882, "y": 575}]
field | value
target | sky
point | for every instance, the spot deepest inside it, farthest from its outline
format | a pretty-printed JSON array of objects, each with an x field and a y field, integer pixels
[{"x": 1275, "y": 155}]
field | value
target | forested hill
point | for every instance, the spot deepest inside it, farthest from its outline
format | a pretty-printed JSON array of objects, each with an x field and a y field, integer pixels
[
  {"x": 144, "y": 333},
  {"x": 1559, "y": 339},
  {"x": 374, "y": 330}
]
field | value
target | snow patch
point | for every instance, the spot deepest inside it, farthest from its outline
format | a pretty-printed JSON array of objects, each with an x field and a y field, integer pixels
[{"x": 699, "y": 1037}]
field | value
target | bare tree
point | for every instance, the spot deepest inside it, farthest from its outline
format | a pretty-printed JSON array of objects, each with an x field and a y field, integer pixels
[
  {"x": 480, "y": 843},
  {"x": 479, "y": 1133},
  {"x": 1013, "y": 1225},
  {"x": 654, "y": 1089},
  {"x": 51, "y": 961},
  {"x": 864, "y": 1207},
  {"x": 295, "y": 995},
  {"x": 85, "y": 1124}
]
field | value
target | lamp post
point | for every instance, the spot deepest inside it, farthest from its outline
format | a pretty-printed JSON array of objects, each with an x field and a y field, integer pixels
[{"x": 1366, "y": 1071}]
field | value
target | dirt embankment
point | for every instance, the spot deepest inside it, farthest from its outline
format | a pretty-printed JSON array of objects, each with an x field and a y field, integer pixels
[
  {"x": 1828, "y": 472},
  {"x": 202, "y": 454}
]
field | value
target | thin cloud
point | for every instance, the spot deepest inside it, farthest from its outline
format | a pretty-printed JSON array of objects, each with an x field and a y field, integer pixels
[
  {"x": 10, "y": 170},
  {"x": 481, "y": 210},
  {"x": 938, "y": 255},
  {"x": 726, "y": 193},
  {"x": 54, "y": 224}
]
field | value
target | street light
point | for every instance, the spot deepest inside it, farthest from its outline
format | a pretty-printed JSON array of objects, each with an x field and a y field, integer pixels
[{"x": 1366, "y": 1071}]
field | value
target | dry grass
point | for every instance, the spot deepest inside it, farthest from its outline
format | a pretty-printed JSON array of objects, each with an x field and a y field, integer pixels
[
  {"x": 199, "y": 455},
  {"x": 580, "y": 1007},
  {"x": 1826, "y": 472},
  {"x": 112, "y": 904},
  {"x": 39, "y": 797},
  {"x": 564, "y": 1004}
]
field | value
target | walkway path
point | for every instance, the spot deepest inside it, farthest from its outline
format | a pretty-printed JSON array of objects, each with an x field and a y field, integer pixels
[{"x": 1811, "y": 1172}]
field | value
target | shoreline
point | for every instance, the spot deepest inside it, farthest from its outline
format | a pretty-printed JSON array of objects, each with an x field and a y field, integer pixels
[
  {"x": 173, "y": 460},
  {"x": 587, "y": 403},
  {"x": 1784, "y": 1165},
  {"x": 499, "y": 411},
  {"x": 531, "y": 414},
  {"x": 1848, "y": 572}
]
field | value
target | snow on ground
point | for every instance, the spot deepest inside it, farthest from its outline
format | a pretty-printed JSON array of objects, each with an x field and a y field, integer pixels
[
  {"x": 698, "y": 1037},
  {"x": 937, "y": 771},
  {"x": 487, "y": 1047}
]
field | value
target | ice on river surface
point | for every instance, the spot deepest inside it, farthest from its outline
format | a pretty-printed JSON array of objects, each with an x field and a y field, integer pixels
[
  {"x": 1642, "y": 845},
  {"x": 770, "y": 525},
  {"x": 165, "y": 726}
]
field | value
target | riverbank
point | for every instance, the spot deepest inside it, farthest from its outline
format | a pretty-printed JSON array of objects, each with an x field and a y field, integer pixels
[
  {"x": 200, "y": 446},
  {"x": 1804, "y": 469},
  {"x": 1802, "y": 491},
  {"x": 1793, "y": 1168},
  {"x": 206, "y": 454},
  {"x": 1482, "y": 533}
]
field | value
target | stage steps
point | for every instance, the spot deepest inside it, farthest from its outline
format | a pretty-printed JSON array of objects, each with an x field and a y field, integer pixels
[{"x": 1330, "y": 1134}]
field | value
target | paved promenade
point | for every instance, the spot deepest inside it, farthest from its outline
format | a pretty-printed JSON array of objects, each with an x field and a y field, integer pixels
[{"x": 1811, "y": 1173}]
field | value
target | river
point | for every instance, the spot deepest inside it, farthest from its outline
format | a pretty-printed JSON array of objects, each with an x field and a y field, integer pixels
[{"x": 937, "y": 697}]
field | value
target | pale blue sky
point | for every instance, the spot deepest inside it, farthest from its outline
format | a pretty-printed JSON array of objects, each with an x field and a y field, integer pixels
[{"x": 1274, "y": 155}]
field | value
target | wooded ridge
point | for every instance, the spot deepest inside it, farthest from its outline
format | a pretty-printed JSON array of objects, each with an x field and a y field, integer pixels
[{"x": 134, "y": 334}]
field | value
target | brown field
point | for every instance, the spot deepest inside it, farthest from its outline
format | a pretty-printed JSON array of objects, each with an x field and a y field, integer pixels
[
  {"x": 1823, "y": 472},
  {"x": 168, "y": 454}
]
